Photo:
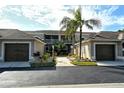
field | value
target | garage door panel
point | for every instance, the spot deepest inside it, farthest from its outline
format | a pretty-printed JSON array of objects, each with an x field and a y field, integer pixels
[
  {"x": 105, "y": 52},
  {"x": 16, "y": 52}
]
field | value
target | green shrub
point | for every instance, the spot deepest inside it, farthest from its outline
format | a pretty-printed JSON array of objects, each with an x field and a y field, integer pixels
[
  {"x": 44, "y": 63},
  {"x": 74, "y": 56},
  {"x": 46, "y": 56},
  {"x": 40, "y": 64}
]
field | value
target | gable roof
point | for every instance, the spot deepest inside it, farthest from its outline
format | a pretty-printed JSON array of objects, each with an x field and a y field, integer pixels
[
  {"x": 14, "y": 34},
  {"x": 104, "y": 35},
  {"x": 53, "y": 32}
]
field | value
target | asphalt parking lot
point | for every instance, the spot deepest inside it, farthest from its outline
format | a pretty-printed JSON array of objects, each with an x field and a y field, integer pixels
[{"x": 25, "y": 77}]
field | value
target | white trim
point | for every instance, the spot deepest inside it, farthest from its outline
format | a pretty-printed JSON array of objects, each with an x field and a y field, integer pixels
[
  {"x": 18, "y": 42},
  {"x": 104, "y": 43},
  {"x": 40, "y": 41}
]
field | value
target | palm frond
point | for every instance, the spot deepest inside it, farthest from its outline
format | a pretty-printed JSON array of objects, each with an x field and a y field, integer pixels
[
  {"x": 65, "y": 20},
  {"x": 77, "y": 14},
  {"x": 89, "y": 26},
  {"x": 94, "y": 22},
  {"x": 71, "y": 28}
]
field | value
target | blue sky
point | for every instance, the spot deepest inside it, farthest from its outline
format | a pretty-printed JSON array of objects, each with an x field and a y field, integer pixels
[{"x": 48, "y": 17}]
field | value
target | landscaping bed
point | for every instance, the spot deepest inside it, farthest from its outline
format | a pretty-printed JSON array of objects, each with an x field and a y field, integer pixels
[
  {"x": 81, "y": 62},
  {"x": 84, "y": 63},
  {"x": 45, "y": 61},
  {"x": 41, "y": 64}
]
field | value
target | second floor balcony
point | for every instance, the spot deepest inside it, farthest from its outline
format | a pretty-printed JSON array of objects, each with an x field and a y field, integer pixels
[{"x": 51, "y": 41}]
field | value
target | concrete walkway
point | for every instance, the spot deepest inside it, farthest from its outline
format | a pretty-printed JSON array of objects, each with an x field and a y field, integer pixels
[
  {"x": 110, "y": 63},
  {"x": 63, "y": 61},
  {"x": 14, "y": 64}
]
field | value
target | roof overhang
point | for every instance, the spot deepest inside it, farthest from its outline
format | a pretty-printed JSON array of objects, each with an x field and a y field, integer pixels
[
  {"x": 94, "y": 40},
  {"x": 39, "y": 40}
]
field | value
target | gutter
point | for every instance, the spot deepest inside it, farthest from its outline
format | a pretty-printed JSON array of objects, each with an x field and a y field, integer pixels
[
  {"x": 40, "y": 41},
  {"x": 89, "y": 40}
]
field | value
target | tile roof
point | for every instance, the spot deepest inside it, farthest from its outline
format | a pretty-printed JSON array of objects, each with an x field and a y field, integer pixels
[
  {"x": 53, "y": 31},
  {"x": 14, "y": 34},
  {"x": 104, "y": 35}
]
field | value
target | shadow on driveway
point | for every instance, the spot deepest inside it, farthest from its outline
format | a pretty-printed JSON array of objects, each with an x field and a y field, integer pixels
[
  {"x": 116, "y": 70},
  {"x": 26, "y": 69},
  {"x": 117, "y": 67}
]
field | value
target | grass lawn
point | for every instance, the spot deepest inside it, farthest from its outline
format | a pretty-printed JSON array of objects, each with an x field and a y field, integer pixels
[{"x": 84, "y": 63}]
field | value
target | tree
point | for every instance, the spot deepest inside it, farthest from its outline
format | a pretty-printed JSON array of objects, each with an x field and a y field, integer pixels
[
  {"x": 71, "y": 25},
  {"x": 59, "y": 46},
  {"x": 122, "y": 30}
]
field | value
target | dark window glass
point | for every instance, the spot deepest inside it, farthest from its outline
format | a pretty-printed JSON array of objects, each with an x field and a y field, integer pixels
[
  {"x": 123, "y": 45},
  {"x": 63, "y": 37},
  {"x": 55, "y": 36},
  {"x": 47, "y": 36},
  {"x": 51, "y": 37},
  {"x": 122, "y": 53},
  {"x": 82, "y": 38}
]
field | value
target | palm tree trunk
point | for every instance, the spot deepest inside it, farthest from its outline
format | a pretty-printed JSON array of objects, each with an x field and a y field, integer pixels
[
  {"x": 80, "y": 40},
  {"x": 73, "y": 43}
]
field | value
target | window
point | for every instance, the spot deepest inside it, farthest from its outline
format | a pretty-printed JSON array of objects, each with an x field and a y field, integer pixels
[
  {"x": 47, "y": 36},
  {"x": 63, "y": 37},
  {"x": 122, "y": 45},
  {"x": 54, "y": 36},
  {"x": 51, "y": 36},
  {"x": 122, "y": 53},
  {"x": 82, "y": 38},
  {"x": 122, "y": 49}
]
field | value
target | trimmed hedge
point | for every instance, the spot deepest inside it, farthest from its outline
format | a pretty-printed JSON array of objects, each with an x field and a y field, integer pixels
[
  {"x": 45, "y": 64},
  {"x": 84, "y": 63}
]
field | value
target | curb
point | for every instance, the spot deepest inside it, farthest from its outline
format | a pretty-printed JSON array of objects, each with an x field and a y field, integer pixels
[{"x": 102, "y": 85}]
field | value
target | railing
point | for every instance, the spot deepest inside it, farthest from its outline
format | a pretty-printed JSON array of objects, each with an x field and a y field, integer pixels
[
  {"x": 51, "y": 41},
  {"x": 66, "y": 41}
]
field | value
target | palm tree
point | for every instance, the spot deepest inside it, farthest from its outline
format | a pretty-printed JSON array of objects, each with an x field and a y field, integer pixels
[
  {"x": 59, "y": 46},
  {"x": 71, "y": 25}
]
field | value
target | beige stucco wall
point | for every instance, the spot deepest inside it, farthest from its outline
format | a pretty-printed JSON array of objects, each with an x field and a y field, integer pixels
[
  {"x": 119, "y": 44},
  {"x": 86, "y": 50},
  {"x": 77, "y": 50},
  {"x": 120, "y": 50},
  {"x": 39, "y": 47}
]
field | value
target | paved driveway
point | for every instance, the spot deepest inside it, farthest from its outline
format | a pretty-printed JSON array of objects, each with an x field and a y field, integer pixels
[
  {"x": 62, "y": 75},
  {"x": 63, "y": 61},
  {"x": 110, "y": 63}
]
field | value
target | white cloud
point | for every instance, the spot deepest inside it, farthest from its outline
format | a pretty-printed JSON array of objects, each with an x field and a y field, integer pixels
[
  {"x": 120, "y": 20},
  {"x": 63, "y": 2},
  {"x": 47, "y": 15},
  {"x": 4, "y": 23},
  {"x": 104, "y": 14},
  {"x": 51, "y": 15}
]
